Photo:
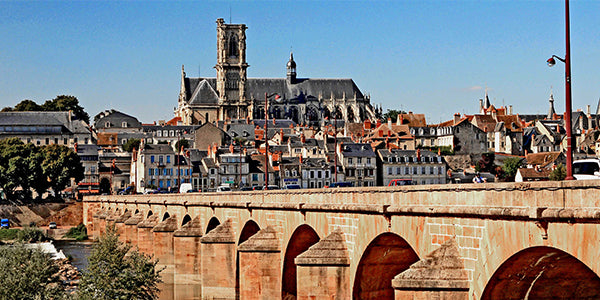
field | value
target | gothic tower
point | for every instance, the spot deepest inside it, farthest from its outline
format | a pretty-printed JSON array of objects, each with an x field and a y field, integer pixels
[{"x": 231, "y": 71}]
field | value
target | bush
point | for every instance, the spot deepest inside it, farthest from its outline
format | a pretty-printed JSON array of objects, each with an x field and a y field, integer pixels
[
  {"x": 78, "y": 233},
  {"x": 113, "y": 273},
  {"x": 9, "y": 234},
  {"x": 28, "y": 274},
  {"x": 559, "y": 173},
  {"x": 31, "y": 235}
]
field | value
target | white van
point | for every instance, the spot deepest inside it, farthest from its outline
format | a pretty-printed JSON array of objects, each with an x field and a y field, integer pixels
[
  {"x": 585, "y": 169},
  {"x": 185, "y": 188}
]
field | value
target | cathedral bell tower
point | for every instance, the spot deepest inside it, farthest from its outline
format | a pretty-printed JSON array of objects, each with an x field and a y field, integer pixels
[{"x": 231, "y": 71}]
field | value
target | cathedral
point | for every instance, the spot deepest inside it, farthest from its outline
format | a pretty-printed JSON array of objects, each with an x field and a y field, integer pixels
[{"x": 231, "y": 95}]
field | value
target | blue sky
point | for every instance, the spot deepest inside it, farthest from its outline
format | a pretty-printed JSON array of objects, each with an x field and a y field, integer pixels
[{"x": 432, "y": 57}]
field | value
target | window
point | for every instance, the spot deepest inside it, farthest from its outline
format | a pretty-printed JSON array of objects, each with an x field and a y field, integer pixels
[
  {"x": 124, "y": 124},
  {"x": 159, "y": 133},
  {"x": 319, "y": 174},
  {"x": 349, "y": 160},
  {"x": 47, "y": 141},
  {"x": 160, "y": 159},
  {"x": 359, "y": 160},
  {"x": 150, "y": 172},
  {"x": 168, "y": 159},
  {"x": 107, "y": 125},
  {"x": 151, "y": 158},
  {"x": 368, "y": 160},
  {"x": 171, "y": 133},
  {"x": 156, "y": 172},
  {"x": 312, "y": 174},
  {"x": 398, "y": 170},
  {"x": 389, "y": 170}
]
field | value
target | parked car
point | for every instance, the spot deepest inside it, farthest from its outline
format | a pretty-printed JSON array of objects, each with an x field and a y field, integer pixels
[
  {"x": 4, "y": 223},
  {"x": 52, "y": 225},
  {"x": 223, "y": 188},
  {"x": 272, "y": 187},
  {"x": 585, "y": 169},
  {"x": 246, "y": 188},
  {"x": 292, "y": 187},
  {"x": 341, "y": 184},
  {"x": 400, "y": 182}
]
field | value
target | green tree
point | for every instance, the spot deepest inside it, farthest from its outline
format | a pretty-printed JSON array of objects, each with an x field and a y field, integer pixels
[
  {"x": 27, "y": 105},
  {"x": 19, "y": 167},
  {"x": 28, "y": 274},
  {"x": 60, "y": 164},
  {"x": 559, "y": 173},
  {"x": 130, "y": 144},
  {"x": 113, "y": 273},
  {"x": 510, "y": 167},
  {"x": 392, "y": 114},
  {"x": 183, "y": 142},
  {"x": 67, "y": 103}
]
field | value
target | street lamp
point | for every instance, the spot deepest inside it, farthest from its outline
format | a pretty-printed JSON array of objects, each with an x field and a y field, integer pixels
[{"x": 567, "y": 60}]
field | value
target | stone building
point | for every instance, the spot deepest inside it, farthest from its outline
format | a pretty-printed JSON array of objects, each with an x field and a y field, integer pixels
[
  {"x": 420, "y": 166},
  {"x": 232, "y": 95}
]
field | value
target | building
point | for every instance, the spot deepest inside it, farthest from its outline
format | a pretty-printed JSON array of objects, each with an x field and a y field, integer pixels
[
  {"x": 45, "y": 128},
  {"x": 419, "y": 166},
  {"x": 232, "y": 95},
  {"x": 358, "y": 163}
]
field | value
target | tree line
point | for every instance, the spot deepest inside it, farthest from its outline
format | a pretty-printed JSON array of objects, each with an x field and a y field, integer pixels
[
  {"x": 26, "y": 167},
  {"x": 60, "y": 103}
]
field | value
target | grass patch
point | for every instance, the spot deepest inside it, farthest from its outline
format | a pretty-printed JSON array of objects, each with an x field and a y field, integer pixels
[
  {"x": 8, "y": 234},
  {"x": 78, "y": 233}
]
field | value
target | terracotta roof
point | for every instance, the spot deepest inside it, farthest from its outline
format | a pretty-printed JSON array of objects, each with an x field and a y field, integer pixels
[
  {"x": 413, "y": 120},
  {"x": 542, "y": 159},
  {"x": 107, "y": 139},
  {"x": 531, "y": 173}
]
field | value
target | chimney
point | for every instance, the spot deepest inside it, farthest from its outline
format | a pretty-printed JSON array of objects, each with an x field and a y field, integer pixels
[
  {"x": 418, "y": 155},
  {"x": 389, "y": 122},
  {"x": 480, "y": 105},
  {"x": 380, "y": 133},
  {"x": 231, "y": 148},
  {"x": 273, "y": 121},
  {"x": 387, "y": 143},
  {"x": 70, "y": 112},
  {"x": 457, "y": 118},
  {"x": 588, "y": 111},
  {"x": 510, "y": 109},
  {"x": 367, "y": 124},
  {"x": 302, "y": 138},
  {"x": 378, "y": 123}
]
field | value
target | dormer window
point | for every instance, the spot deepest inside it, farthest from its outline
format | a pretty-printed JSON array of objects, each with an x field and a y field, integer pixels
[
  {"x": 124, "y": 124},
  {"x": 107, "y": 125}
]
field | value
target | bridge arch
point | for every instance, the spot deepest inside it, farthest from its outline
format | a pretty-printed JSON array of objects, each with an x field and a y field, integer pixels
[
  {"x": 166, "y": 215},
  {"x": 186, "y": 219},
  {"x": 303, "y": 237},
  {"x": 149, "y": 214},
  {"x": 250, "y": 229},
  {"x": 385, "y": 257},
  {"x": 212, "y": 223},
  {"x": 542, "y": 272}
]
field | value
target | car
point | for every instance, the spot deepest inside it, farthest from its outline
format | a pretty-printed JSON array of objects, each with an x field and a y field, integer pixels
[
  {"x": 341, "y": 184},
  {"x": 291, "y": 187},
  {"x": 585, "y": 169},
  {"x": 4, "y": 224},
  {"x": 52, "y": 225},
  {"x": 271, "y": 187},
  {"x": 246, "y": 188},
  {"x": 223, "y": 188},
  {"x": 257, "y": 187},
  {"x": 400, "y": 182}
]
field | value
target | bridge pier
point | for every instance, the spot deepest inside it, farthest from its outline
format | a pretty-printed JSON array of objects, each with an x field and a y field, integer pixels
[
  {"x": 440, "y": 275},
  {"x": 102, "y": 222},
  {"x": 324, "y": 269},
  {"x": 145, "y": 236},
  {"x": 218, "y": 262},
  {"x": 131, "y": 229},
  {"x": 93, "y": 231},
  {"x": 259, "y": 266},
  {"x": 186, "y": 245},
  {"x": 162, "y": 245},
  {"x": 120, "y": 225}
]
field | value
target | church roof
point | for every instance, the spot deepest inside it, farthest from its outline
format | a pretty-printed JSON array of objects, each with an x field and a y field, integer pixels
[{"x": 202, "y": 91}]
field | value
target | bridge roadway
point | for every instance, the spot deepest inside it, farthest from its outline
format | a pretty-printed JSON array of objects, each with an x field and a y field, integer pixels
[{"x": 486, "y": 241}]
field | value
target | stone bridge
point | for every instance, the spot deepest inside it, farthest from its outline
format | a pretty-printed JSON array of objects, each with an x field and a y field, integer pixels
[{"x": 487, "y": 241}]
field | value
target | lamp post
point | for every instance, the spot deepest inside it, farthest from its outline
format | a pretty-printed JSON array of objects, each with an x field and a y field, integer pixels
[
  {"x": 567, "y": 60},
  {"x": 267, "y": 96}
]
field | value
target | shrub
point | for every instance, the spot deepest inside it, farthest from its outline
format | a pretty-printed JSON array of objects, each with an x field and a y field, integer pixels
[
  {"x": 31, "y": 235},
  {"x": 9, "y": 234},
  {"x": 78, "y": 233}
]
